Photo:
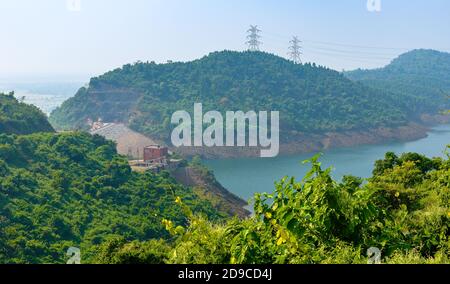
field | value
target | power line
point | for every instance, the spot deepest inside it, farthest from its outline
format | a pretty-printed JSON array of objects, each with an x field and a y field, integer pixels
[
  {"x": 341, "y": 50},
  {"x": 358, "y": 46},
  {"x": 339, "y": 53},
  {"x": 351, "y": 53},
  {"x": 253, "y": 38},
  {"x": 352, "y": 45},
  {"x": 347, "y": 55},
  {"x": 333, "y": 50},
  {"x": 368, "y": 53},
  {"x": 328, "y": 61},
  {"x": 339, "y": 44}
]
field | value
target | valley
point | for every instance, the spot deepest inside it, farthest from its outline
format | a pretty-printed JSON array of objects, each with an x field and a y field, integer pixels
[{"x": 89, "y": 184}]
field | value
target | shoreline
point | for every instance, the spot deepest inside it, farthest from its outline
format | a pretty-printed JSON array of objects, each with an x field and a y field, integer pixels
[
  {"x": 246, "y": 176},
  {"x": 310, "y": 143}
]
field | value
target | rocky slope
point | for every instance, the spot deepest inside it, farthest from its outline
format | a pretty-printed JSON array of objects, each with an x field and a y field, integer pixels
[{"x": 205, "y": 185}]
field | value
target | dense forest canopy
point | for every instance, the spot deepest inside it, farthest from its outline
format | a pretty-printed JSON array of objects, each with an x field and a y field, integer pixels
[
  {"x": 403, "y": 211},
  {"x": 72, "y": 189},
  {"x": 20, "y": 118},
  {"x": 310, "y": 98},
  {"x": 419, "y": 79}
]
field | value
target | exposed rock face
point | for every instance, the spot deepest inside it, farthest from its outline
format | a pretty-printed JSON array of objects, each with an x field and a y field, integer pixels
[
  {"x": 205, "y": 184},
  {"x": 98, "y": 101}
]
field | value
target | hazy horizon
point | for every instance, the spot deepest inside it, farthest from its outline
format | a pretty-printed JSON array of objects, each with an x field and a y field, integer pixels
[{"x": 49, "y": 41}]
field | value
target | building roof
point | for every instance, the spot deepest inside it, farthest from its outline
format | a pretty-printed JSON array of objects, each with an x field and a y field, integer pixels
[{"x": 155, "y": 147}]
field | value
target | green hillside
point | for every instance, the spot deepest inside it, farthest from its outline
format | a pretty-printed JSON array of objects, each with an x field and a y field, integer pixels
[
  {"x": 72, "y": 189},
  {"x": 310, "y": 98},
  {"x": 403, "y": 211},
  {"x": 19, "y": 118},
  {"x": 419, "y": 80}
]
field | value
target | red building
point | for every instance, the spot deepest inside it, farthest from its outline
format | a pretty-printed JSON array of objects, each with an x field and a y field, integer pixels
[{"x": 155, "y": 153}]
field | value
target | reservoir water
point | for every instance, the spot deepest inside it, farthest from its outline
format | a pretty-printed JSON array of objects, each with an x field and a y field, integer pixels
[{"x": 246, "y": 176}]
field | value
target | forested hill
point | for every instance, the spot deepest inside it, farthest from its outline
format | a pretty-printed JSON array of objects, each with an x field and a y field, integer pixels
[
  {"x": 403, "y": 210},
  {"x": 73, "y": 189},
  {"x": 310, "y": 98},
  {"x": 419, "y": 79},
  {"x": 19, "y": 118}
]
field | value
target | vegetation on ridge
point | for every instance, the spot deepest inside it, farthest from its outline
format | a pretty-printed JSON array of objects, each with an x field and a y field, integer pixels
[
  {"x": 310, "y": 98},
  {"x": 418, "y": 80},
  {"x": 20, "y": 118},
  {"x": 72, "y": 189}
]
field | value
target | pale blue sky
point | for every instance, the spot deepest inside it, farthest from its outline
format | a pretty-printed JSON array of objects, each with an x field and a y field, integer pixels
[{"x": 43, "y": 38}]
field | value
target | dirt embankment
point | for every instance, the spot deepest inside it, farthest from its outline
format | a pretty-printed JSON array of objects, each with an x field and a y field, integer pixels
[
  {"x": 207, "y": 187},
  {"x": 129, "y": 142},
  {"x": 204, "y": 183},
  {"x": 301, "y": 143}
]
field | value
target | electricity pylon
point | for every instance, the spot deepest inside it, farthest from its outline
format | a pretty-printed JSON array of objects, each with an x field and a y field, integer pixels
[
  {"x": 253, "y": 38},
  {"x": 295, "y": 50}
]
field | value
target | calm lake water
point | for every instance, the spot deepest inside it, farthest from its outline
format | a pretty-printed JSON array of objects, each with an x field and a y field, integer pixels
[{"x": 244, "y": 177}]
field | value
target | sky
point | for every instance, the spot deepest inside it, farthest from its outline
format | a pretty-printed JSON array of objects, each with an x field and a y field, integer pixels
[{"x": 55, "y": 39}]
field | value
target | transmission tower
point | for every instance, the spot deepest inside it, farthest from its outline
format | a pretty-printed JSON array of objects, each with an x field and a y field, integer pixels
[
  {"x": 253, "y": 38},
  {"x": 295, "y": 50}
]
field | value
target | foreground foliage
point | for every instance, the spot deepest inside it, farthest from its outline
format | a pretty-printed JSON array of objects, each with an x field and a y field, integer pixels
[
  {"x": 404, "y": 210},
  {"x": 72, "y": 189}
]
